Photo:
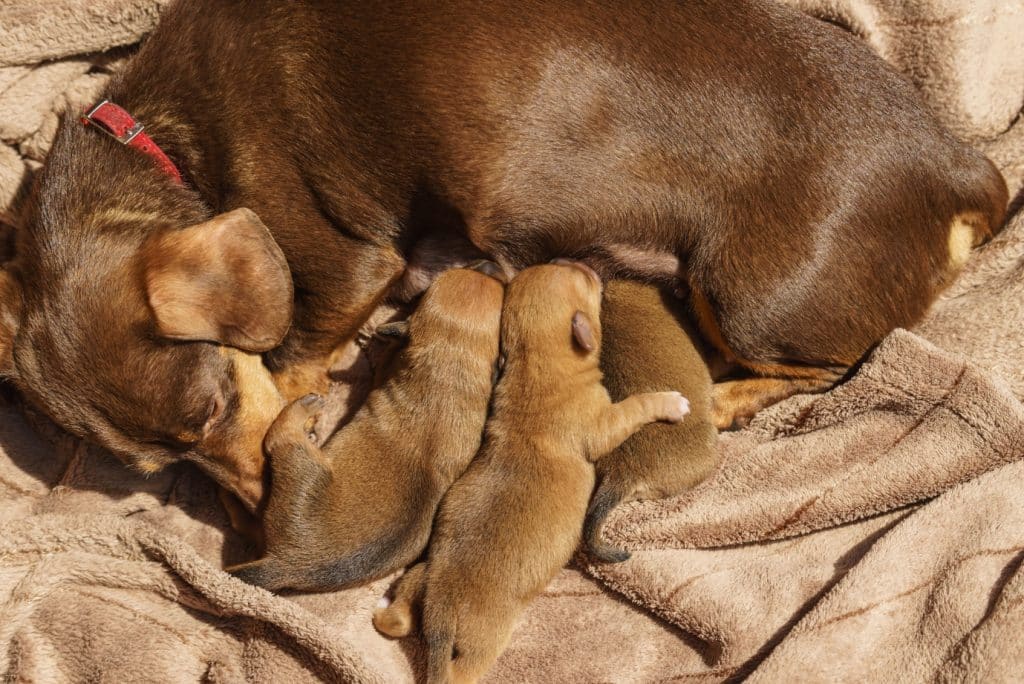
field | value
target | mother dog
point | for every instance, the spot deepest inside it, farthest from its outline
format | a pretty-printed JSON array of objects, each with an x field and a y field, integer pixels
[{"x": 300, "y": 159}]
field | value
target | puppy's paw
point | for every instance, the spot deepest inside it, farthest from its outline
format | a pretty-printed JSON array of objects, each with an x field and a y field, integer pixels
[
  {"x": 296, "y": 422},
  {"x": 674, "y": 407},
  {"x": 393, "y": 619}
]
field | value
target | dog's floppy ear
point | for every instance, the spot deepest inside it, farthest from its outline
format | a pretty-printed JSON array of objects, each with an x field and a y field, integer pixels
[
  {"x": 583, "y": 331},
  {"x": 224, "y": 280},
  {"x": 10, "y": 320}
]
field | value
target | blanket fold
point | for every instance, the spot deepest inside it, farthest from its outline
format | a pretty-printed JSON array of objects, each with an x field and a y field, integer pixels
[{"x": 913, "y": 421}]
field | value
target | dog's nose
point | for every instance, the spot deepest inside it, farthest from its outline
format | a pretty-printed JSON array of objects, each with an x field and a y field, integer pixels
[
  {"x": 591, "y": 273},
  {"x": 489, "y": 268}
]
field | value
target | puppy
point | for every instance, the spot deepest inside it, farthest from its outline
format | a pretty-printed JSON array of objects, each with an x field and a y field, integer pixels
[
  {"x": 362, "y": 507},
  {"x": 514, "y": 519},
  {"x": 639, "y": 322}
]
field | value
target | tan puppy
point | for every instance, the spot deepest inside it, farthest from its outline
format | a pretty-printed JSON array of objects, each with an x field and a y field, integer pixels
[
  {"x": 514, "y": 518},
  {"x": 363, "y": 506},
  {"x": 647, "y": 347}
]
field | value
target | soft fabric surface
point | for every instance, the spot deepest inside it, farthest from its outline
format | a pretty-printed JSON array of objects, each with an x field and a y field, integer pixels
[{"x": 873, "y": 532}]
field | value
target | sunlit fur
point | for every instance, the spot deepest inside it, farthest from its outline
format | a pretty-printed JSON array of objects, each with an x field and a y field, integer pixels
[{"x": 514, "y": 518}]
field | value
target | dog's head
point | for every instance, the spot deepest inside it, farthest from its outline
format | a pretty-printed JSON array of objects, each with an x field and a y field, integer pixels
[
  {"x": 141, "y": 329},
  {"x": 554, "y": 307}
]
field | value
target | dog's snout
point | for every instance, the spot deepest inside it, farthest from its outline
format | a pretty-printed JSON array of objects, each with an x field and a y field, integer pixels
[
  {"x": 491, "y": 269},
  {"x": 591, "y": 273}
]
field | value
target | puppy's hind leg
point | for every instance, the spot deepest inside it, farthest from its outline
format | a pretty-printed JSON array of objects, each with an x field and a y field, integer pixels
[
  {"x": 397, "y": 619},
  {"x": 619, "y": 421}
]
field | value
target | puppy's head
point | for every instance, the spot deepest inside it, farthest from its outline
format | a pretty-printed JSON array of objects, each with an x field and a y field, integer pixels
[
  {"x": 554, "y": 309},
  {"x": 460, "y": 311},
  {"x": 138, "y": 324}
]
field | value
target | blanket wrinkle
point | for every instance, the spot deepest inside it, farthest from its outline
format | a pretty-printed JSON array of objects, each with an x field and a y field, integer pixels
[{"x": 871, "y": 532}]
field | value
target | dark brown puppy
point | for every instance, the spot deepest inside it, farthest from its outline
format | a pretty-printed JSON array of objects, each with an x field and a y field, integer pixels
[
  {"x": 514, "y": 518},
  {"x": 793, "y": 179},
  {"x": 363, "y": 506},
  {"x": 639, "y": 323}
]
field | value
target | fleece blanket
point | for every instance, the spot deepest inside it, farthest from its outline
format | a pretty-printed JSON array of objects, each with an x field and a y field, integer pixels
[{"x": 873, "y": 532}]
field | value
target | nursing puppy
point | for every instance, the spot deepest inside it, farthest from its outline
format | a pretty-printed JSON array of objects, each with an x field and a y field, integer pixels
[
  {"x": 514, "y": 518},
  {"x": 639, "y": 322},
  {"x": 362, "y": 507}
]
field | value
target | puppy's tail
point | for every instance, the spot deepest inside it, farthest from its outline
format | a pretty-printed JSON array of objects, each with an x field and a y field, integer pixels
[
  {"x": 609, "y": 494},
  {"x": 267, "y": 572}
]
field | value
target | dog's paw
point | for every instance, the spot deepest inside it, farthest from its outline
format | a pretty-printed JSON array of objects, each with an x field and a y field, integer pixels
[
  {"x": 393, "y": 619},
  {"x": 297, "y": 421},
  {"x": 674, "y": 407}
]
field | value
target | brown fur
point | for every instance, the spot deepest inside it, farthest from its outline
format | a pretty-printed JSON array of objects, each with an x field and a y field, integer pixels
[
  {"x": 514, "y": 518},
  {"x": 363, "y": 506},
  {"x": 639, "y": 323},
  {"x": 786, "y": 173}
]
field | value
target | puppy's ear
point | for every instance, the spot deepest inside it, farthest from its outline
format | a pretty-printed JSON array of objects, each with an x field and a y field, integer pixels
[
  {"x": 10, "y": 320},
  {"x": 397, "y": 330},
  {"x": 583, "y": 331},
  {"x": 224, "y": 280}
]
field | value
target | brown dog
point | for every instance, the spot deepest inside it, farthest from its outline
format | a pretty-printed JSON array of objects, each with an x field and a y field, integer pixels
[
  {"x": 794, "y": 181},
  {"x": 363, "y": 506},
  {"x": 638, "y": 322},
  {"x": 514, "y": 518}
]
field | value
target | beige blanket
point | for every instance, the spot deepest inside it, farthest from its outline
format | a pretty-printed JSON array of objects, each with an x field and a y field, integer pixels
[{"x": 872, "y": 533}]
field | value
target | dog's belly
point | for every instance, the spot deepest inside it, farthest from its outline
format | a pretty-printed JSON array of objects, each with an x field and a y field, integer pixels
[{"x": 438, "y": 252}]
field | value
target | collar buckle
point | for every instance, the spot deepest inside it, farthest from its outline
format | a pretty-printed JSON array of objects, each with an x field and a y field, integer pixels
[{"x": 124, "y": 138}]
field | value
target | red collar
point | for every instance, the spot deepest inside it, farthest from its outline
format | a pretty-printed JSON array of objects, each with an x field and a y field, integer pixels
[{"x": 122, "y": 127}]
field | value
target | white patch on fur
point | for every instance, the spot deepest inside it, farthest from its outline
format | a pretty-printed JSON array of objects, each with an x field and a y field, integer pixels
[{"x": 961, "y": 240}]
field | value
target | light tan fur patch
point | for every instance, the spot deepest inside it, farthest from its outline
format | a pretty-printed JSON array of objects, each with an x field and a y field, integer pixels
[
  {"x": 960, "y": 241},
  {"x": 121, "y": 215},
  {"x": 239, "y": 446}
]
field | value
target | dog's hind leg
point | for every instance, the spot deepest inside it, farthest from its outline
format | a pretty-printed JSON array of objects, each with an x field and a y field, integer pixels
[
  {"x": 734, "y": 402},
  {"x": 398, "y": 618}
]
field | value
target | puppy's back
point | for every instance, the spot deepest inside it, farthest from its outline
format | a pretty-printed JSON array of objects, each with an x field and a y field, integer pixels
[{"x": 648, "y": 347}]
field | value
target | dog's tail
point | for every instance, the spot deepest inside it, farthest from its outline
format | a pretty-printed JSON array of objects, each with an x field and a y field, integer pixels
[{"x": 609, "y": 494}]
